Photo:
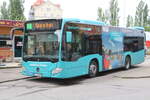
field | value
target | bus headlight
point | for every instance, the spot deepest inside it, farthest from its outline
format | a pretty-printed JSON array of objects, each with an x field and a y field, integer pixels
[{"x": 57, "y": 70}]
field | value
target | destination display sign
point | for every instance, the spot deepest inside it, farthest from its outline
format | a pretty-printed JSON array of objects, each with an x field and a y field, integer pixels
[{"x": 42, "y": 25}]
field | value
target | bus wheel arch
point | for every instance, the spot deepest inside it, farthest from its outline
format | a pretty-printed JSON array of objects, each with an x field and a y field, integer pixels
[
  {"x": 93, "y": 68},
  {"x": 127, "y": 64}
]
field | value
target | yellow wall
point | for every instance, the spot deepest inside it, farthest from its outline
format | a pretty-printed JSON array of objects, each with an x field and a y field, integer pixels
[
  {"x": 7, "y": 30},
  {"x": 7, "y": 53}
]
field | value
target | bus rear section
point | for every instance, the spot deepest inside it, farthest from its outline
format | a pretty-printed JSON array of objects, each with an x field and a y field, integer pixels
[
  {"x": 134, "y": 47},
  {"x": 122, "y": 47}
]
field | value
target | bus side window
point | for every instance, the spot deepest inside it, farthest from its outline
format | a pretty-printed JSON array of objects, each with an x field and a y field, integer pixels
[
  {"x": 128, "y": 44},
  {"x": 72, "y": 51},
  {"x": 94, "y": 44},
  {"x": 133, "y": 44}
]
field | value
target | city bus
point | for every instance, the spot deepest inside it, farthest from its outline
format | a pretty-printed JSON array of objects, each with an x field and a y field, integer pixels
[{"x": 66, "y": 48}]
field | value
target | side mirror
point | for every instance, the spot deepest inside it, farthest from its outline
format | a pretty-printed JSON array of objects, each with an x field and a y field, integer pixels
[{"x": 69, "y": 37}]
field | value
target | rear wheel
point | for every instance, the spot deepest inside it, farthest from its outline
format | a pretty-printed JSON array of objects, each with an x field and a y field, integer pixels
[
  {"x": 127, "y": 63},
  {"x": 93, "y": 69}
]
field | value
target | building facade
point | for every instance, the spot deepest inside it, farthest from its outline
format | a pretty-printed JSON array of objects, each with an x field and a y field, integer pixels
[
  {"x": 10, "y": 47},
  {"x": 45, "y": 10}
]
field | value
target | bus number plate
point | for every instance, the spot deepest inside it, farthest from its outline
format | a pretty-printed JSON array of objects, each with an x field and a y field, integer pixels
[{"x": 38, "y": 75}]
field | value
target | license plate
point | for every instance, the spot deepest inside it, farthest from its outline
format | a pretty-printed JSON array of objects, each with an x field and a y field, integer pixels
[{"x": 38, "y": 75}]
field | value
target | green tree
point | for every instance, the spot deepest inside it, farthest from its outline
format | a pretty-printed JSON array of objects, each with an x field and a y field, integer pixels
[
  {"x": 16, "y": 10},
  {"x": 102, "y": 16},
  {"x": 141, "y": 16},
  {"x": 4, "y": 11},
  {"x": 148, "y": 20},
  {"x": 129, "y": 21},
  {"x": 147, "y": 28},
  {"x": 145, "y": 15},
  {"x": 114, "y": 11}
]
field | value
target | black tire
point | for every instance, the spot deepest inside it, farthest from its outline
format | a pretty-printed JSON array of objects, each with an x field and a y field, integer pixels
[
  {"x": 127, "y": 63},
  {"x": 93, "y": 69}
]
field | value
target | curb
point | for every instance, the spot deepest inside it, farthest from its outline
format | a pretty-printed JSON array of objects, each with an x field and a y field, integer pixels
[
  {"x": 2, "y": 67},
  {"x": 133, "y": 77},
  {"x": 16, "y": 79}
]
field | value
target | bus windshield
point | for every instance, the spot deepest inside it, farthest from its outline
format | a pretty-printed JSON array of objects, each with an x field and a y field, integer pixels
[{"x": 42, "y": 46}]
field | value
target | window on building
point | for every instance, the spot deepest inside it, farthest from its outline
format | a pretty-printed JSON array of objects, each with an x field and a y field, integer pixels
[{"x": 5, "y": 43}]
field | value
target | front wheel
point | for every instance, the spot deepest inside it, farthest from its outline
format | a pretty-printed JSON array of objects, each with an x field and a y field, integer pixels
[
  {"x": 93, "y": 69},
  {"x": 127, "y": 63}
]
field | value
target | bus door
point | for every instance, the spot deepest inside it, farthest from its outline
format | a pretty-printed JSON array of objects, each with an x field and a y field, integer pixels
[{"x": 18, "y": 46}]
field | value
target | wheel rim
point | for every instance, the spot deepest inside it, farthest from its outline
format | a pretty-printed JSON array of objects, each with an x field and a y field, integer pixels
[
  {"x": 93, "y": 70},
  {"x": 127, "y": 64}
]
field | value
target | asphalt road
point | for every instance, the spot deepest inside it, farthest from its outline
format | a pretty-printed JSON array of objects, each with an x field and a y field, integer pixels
[{"x": 133, "y": 84}]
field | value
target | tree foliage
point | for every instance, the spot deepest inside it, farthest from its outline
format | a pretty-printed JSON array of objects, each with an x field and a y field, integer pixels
[
  {"x": 111, "y": 15},
  {"x": 145, "y": 15},
  {"x": 4, "y": 11},
  {"x": 147, "y": 28},
  {"x": 16, "y": 10},
  {"x": 129, "y": 21},
  {"x": 141, "y": 16},
  {"x": 148, "y": 21},
  {"x": 102, "y": 16},
  {"x": 114, "y": 11}
]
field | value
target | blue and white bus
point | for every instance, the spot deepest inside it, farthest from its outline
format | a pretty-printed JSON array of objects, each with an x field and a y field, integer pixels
[{"x": 65, "y": 48}]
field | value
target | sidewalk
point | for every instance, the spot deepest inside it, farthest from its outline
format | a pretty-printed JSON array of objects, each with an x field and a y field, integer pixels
[
  {"x": 11, "y": 74},
  {"x": 140, "y": 71},
  {"x": 10, "y": 65},
  {"x": 147, "y": 57}
]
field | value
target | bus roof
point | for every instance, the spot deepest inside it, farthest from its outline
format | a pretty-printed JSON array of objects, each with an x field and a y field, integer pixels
[
  {"x": 83, "y": 21},
  {"x": 138, "y": 28},
  {"x": 75, "y": 20}
]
